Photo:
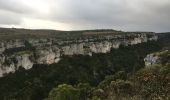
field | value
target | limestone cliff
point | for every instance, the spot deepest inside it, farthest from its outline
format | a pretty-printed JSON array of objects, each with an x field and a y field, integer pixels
[
  {"x": 26, "y": 52},
  {"x": 159, "y": 57},
  {"x": 151, "y": 59}
]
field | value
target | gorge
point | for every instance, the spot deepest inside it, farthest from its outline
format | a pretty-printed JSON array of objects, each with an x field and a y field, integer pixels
[{"x": 25, "y": 53}]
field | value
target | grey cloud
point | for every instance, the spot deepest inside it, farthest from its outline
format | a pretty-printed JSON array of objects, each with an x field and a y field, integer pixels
[
  {"x": 129, "y": 15},
  {"x": 14, "y": 6},
  {"x": 90, "y": 11},
  {"x": 8, "y": 18}
]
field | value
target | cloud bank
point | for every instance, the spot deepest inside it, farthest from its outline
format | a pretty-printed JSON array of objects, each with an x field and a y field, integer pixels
[{"x": 127, "y": 15}]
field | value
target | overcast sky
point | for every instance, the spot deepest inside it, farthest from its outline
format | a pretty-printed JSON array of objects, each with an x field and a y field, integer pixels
[{"x": 127, "y": 15}]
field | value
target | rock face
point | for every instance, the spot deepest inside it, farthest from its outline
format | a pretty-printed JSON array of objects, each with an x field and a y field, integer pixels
[
  {"x": 159, "y": 57},
  {"x": 11, "y": 63},
  {"x": 151, "y": 59},
  {"x": 25, "y": 53}
]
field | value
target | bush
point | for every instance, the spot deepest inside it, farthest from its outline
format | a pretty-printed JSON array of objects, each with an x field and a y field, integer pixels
[{"x": 64, "y": 92}]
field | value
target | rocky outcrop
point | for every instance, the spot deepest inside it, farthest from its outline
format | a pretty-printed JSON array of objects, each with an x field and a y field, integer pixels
[
  {"x": 47, "y": 55},
  {"x": 25, "y": 53},
  {"x": 12, "y": 63},
  {"x": 161, "y": 57},
  {"x": 151, "y": 59}
]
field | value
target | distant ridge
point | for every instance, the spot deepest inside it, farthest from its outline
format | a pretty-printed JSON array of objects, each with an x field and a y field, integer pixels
[{"x": 11, "y": 33}]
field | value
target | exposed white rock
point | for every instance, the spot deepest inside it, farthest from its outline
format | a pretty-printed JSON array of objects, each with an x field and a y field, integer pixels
[
  {"x": 45, "y": 56},
  {"x": 7, "y": 69},
  {"x": 155, "y": 37},
  {"x": 116, "y": 44},
  {"x": 14, "y": 44},
  {"x": 101, "y": 47},
  {"x": 12, "y": 63},
  {"x": 24, "y": 61},
  {"x": 151, "y": 59},
  {"x": 48, "y": 51},
  {"x": 136, "y": 41}
]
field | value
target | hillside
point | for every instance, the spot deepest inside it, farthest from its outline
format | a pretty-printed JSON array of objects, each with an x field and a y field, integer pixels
[{"x": 89, "y": 65}]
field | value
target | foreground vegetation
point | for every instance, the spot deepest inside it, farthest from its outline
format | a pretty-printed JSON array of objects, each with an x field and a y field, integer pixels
[{"x": 151, "y": 83}]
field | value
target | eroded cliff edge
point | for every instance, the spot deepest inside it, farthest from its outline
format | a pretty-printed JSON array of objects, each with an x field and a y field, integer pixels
[{"x": 24, "y": 53}]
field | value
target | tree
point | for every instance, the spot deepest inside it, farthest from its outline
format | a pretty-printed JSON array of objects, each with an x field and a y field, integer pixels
[
  {"x": 121, "y": 88},
  {"x": 64, "y": 92}
]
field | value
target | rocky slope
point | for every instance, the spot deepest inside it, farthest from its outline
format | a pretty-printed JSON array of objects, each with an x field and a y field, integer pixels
[
  {"x": 160, "y": 57},
  {"x": 24, "y": 53}
]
